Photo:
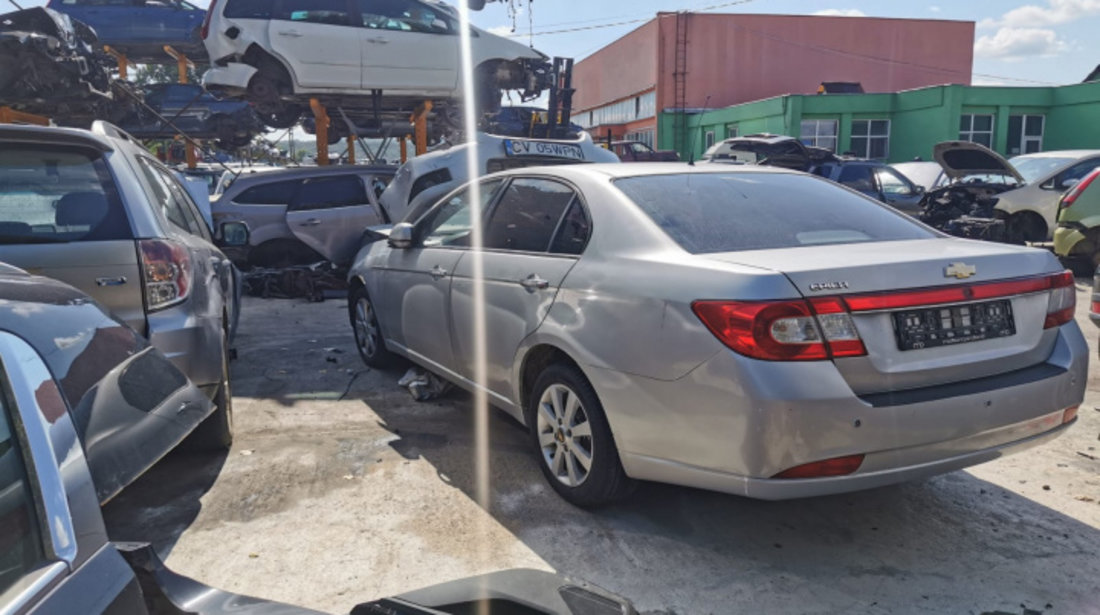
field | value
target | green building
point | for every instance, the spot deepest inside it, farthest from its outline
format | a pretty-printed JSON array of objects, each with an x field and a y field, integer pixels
[{"x": 905, "y": 125}]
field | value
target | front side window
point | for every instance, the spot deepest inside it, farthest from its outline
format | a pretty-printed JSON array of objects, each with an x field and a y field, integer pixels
[
  {"x": 819, "y": 133},
  {"x": 329, "y": 193},
  {"x": 1076, "y": 173},
  {"x": 57, "y": 194},
  {"x": 450, "y": 224},
  {"x": 892, "y": 183},
  {"x": 976, "y": 129},
  {"x": 405, "y": 16},
  {"x": 274, "y": 193},
  {"x": 331, "y": 12},
  {"x": 871, "y": 139},
  {"x": 725, "y": 212},
  {"x": 527, "y": 215},
  {"x": 248, "y": 9},
  {"x": 857, "y": 177},
  {"x": 21, "y": 548}
]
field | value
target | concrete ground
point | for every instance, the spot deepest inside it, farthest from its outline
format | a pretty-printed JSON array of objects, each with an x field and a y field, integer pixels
[{"x": 340, "y": 489}]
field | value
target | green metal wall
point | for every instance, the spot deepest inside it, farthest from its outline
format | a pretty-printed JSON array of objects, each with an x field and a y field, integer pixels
[{"x": 918, "y": 118}]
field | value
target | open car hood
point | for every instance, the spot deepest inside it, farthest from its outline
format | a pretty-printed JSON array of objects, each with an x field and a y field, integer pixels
[{"x": 962, "y": 158}]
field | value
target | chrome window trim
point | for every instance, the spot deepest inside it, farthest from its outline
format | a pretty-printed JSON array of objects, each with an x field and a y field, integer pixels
[{"x": 40, "y": 436}]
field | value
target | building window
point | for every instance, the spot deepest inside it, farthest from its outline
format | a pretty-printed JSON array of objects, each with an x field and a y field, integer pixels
[
  {"x": 976, "y": 129},
  {"x": 709, "y": 138},
  {"x": 629, "y": 110},
  {"x": 1025, "y": 134},
  {"x": 732, "y": 131},
  {"x": 642, "y": 136},
  {"x": 819, "y": 133},
  {"x": 871, "y": 139}
]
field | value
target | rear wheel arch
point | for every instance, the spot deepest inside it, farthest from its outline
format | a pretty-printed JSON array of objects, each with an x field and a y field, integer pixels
[{"x": 535, "y": 361}]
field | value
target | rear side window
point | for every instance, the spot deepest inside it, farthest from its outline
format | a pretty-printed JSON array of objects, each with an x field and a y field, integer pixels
[
  {"x": 50, "y": 195},
  {"x": 857, "y": 177},
  {"x": 573, "y": 231},
  {"x": 329, "y": 193},
  {"x": 20, "y": 538},
  {"x": 331, "y": 12},
  {"x": 428, "y": 180},
  {"x": 277, "y": 193},
  {"x": 527, "y": 215},
  {"x": 248, "y": 9},
  {"x": 726, "y": 212},
  {"x": 170, "y": 197}
]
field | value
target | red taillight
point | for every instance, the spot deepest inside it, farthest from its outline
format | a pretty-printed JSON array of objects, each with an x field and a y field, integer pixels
[
  {"x": 783, "y": 330},
  {"x": 1069, "y": 414},
  {"x": 837, "y": 466},
  {"x": 1095, "y": 307},
  {"x": 206, "y": 20},
  {"x": 166, "y": 268},
  {"x": 1062, "y": 302},
  {"x": 1071, "y": 197}
]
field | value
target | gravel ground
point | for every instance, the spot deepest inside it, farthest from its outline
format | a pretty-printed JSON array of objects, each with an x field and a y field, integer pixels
[{"x": 340, "y": 489}]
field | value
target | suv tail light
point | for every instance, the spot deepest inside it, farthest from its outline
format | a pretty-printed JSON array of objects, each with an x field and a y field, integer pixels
[
  {"x": 783, "y": 330},
  {"x": 166, "y": 271},
  {"x": 1071, "y": 197},
  {"x": 206, "y": 20},
  {"x": 1062, "y": 302}
]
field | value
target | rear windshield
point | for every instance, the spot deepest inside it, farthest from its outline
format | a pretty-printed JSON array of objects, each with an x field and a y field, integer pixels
[
  {"x": 53, "y": 195},
  {"x": 725, "y": 212}
]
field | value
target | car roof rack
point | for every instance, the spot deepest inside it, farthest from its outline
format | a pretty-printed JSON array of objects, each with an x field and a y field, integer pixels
[{"x": 107, "y": 129}]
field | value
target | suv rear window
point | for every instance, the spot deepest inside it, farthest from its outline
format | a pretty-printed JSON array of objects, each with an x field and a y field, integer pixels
[
  {"x": 726, "y": 212},
  {"x": 54, "y": 195}
]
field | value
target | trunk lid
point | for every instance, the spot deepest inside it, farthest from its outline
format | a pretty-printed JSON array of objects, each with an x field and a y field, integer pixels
[{"x": 888, "y": 267}]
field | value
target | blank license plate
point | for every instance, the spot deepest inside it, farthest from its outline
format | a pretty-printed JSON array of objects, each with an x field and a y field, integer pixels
[{"x": 956, "y": 324}]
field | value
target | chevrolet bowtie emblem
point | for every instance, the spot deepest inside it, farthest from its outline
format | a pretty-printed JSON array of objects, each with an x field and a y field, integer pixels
[{"x": 960, "y": 271}]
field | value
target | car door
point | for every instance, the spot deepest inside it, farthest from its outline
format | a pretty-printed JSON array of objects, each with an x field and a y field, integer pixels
[
  {"x": 54, "y": 551},
  {"x": 414, "y": 292},
  {"x": 899, "y": 192},
  {"x": 524, "y": 264},
  {"x": 329, "y": 214},
  {"x": 319, "y": 41},
  {"x": 408, "y": 45},
  {"x": 859, "y": 177}
]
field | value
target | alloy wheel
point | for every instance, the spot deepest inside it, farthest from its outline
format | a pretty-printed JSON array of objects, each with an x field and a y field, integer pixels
[
  {"x": 564, "y": 435},
  {"x": 366, "y": 327}
]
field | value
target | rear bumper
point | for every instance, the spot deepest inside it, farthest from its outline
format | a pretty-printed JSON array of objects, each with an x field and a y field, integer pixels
[
  {"x": 233, "y": 76},
  {"x": 1067, "y": 238},
  {"x": 733, "y": 423},
  {"x": 189, "y": 343}
]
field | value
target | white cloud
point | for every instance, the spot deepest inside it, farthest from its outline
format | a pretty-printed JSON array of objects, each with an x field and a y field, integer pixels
[
  {"x": 1019, "y": 43},
  {"x": 934, "y": 9},
  {"x": 841, "y": 13},
  {"x": 501, "y": 30},
  {"x": 988, "y": 81},
  {"x": 1054, "y": 12}
]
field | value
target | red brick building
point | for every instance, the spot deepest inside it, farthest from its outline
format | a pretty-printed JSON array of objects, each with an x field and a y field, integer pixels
[{"x": 678, "y": 60}]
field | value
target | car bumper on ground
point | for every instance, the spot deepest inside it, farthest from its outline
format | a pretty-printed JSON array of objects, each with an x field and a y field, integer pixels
[
  {"x": 733, "y": 424},
  {"x": 233, "y": 75}
]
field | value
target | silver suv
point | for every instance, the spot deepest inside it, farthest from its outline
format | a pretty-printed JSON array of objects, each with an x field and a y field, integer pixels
[
  {"x": 96, "y": 210},
  {"x": 305, "y": 215}
]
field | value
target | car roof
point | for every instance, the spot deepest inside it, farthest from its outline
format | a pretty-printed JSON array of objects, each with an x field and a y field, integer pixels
[
  {"x": 57, "y": 135},
  {"x": 638, "y": 169},
  {"x": 293, "y": 173},
  {"x": 1062, "y": 153}
]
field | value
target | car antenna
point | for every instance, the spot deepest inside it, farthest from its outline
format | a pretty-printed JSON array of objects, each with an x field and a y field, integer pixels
[{"x": 691, "y": 156}]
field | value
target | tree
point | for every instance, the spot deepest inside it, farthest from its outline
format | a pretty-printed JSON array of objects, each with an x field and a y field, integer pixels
[{"x": 148, "y": 74}]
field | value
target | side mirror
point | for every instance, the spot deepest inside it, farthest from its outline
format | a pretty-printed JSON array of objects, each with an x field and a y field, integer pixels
[
  {"x": 918, "y": 190},
  {"x": 401, "y": 236},
  {"x": 234, "y": 234}
]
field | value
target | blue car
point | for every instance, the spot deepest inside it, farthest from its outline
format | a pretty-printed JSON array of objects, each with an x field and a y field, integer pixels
[
  {"x": 141, "y": 28},
  {"x": 195, "y": 112},
  {"x": 524, "y": 122}
]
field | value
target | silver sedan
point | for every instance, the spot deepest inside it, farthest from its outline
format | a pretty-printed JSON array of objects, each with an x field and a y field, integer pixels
[{"x": 749, "y": 330}]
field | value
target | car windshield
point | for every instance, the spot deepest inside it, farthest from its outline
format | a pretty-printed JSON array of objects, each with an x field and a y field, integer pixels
[
  {"x": 50, "y": 195},
  {"x": 724, "y": 212},
  {"x": 1035, "y": 168},
  {"x": 926, "y": 174}
]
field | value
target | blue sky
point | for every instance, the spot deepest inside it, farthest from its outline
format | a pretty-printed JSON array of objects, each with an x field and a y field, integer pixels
[{"x": 1018, "y": 42}]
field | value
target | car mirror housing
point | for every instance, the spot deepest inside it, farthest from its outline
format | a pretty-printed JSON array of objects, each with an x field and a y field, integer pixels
[
  {"x": 234, "y": 234},
  {"x": 401, "y": 237}
]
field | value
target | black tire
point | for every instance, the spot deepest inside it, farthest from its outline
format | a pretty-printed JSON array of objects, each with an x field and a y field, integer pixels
[
  {"x": 368, "y": 334},
  {"x": 215, "y": 434},
  {"x": 1026, "y": 227},
  {"x": 604, "y": 481}
]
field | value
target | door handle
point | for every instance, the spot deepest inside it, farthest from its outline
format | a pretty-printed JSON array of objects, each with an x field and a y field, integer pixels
[
  {"x": 311, "y": 222},
  {"x": 438, "y": 272},
  {"x": 379, "y": 41},
  {"x": 119, "y": 281},
  {"x": 533, "y": 282},
  {"x": 290, "y": 33}
]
